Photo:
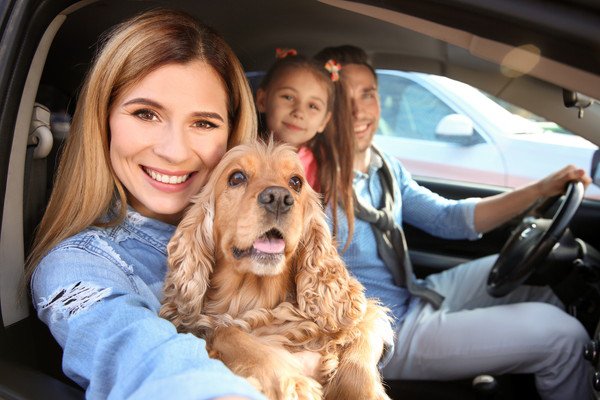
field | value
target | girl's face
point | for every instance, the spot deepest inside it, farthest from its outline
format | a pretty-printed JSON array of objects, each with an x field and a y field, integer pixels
[
  {"x": 167, "y": 133},
  {"x": 295, "y": 106}
]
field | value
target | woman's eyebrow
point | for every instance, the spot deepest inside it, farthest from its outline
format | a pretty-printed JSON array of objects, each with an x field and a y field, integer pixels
[
  {"x": 154, "y": 104},
  {"x": 208, "y": 114},
  {"x": 144, "y": 101}
]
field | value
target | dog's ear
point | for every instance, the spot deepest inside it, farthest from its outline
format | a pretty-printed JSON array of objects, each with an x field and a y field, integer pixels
[
  {"x": 325, "y": 290},
  {"x": 190, "y": 264}
]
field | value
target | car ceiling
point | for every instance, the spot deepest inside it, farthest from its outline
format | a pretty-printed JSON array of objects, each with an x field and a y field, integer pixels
[{"x": 465, "y": 47}]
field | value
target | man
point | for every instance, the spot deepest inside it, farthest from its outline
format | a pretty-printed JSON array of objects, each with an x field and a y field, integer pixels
[{"x": 447, "y": 326}]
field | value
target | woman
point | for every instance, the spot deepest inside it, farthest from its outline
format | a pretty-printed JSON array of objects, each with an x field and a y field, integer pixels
[{"x": 163, "y": 101}]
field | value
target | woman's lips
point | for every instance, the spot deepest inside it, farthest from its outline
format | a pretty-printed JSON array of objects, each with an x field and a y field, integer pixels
[{"x": 174, "y": 179}]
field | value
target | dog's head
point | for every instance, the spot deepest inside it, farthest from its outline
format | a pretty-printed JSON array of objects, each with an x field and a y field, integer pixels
[
  {"x": 261, "y": 200},
  {"x": 256, "y": 230}
]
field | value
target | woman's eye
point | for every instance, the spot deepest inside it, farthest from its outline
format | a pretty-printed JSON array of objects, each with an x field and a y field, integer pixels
[
  {"x": 236, "y": 179},
  {"x": 146, "y": 115},
  {"x": 205, "y": 125},
  {"x": 296, "y": 183}
]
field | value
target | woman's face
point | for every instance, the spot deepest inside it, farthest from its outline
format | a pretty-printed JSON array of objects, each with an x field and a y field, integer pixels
[{"x": 167, "y": 133}]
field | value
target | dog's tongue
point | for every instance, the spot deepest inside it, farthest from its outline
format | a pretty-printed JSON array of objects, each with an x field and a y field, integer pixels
[{"x": 269, "y": 245}]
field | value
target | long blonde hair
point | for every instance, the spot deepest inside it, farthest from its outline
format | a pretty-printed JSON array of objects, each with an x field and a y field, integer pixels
[{"x": 85, "y": 187}]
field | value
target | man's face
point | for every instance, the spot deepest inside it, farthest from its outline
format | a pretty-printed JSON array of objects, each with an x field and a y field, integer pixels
[{"x": 362, "y": 88}]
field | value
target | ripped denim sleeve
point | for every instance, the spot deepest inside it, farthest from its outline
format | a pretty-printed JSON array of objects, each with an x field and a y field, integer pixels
[{"x": 69, "y": 301}]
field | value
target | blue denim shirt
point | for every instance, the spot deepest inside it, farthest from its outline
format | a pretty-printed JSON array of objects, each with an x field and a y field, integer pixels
[
  {"x": 415, "y": 204},
  {"x": 99, "y": 292}
]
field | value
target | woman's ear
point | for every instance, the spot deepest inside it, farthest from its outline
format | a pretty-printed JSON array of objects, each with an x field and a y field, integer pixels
[{"x": 261, "y": 100}]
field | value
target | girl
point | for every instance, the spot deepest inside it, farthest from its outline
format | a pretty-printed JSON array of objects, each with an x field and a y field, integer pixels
[
  {"x": 305, "y": 105},
  {"x": 163, "y": 101}
]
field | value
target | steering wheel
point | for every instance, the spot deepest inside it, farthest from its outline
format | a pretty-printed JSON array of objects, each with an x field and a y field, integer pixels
[{"x": 531, "y": 242}]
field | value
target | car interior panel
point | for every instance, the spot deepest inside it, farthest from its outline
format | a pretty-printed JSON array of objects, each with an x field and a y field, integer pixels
[{"x": 46, "y": 48}]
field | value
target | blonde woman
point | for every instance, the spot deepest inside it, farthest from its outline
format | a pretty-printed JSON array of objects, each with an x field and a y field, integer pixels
[{"x": 163, "y": 101}]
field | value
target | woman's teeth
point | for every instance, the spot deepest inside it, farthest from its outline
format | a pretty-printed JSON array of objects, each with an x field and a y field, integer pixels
[{"x": 171, "y": 179}]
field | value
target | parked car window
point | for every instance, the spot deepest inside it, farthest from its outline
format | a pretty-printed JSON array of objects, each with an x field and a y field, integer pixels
[
  {"x": 441, "y": 128},
  {"x": 409, "y": 110}
]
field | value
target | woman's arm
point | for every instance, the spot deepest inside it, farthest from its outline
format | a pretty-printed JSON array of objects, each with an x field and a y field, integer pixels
[
  {"x": 114, "y": 343},
  {"x": 493, "y": 211}
]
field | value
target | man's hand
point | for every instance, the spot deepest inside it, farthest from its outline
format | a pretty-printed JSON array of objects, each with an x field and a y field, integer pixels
[{"x": 555, "y": 183}]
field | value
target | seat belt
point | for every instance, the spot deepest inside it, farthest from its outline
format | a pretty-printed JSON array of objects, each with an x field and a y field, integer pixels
[{"x": 391, "y": 242}]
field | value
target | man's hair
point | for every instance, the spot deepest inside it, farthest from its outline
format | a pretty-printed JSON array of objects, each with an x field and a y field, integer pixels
[{"x": 346, "y": 54}]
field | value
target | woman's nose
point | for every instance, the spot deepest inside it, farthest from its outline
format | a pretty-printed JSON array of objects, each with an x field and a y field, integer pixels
[{"x": 173, "y": 145}]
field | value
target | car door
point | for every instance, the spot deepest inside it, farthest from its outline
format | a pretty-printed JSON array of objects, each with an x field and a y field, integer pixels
[{"x": 26, "y": 30}]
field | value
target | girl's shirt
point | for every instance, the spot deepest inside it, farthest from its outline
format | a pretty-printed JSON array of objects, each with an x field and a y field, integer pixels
[
  {"x": 99, "y": 292},
  {"x": 311, "y": 169}
]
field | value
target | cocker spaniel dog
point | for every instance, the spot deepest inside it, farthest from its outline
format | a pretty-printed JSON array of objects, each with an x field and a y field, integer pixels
[{"x": 254, "y": 271}]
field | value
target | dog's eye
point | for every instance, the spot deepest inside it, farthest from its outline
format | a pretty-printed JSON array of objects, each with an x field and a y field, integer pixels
[
  {"x": 296, "y": 183},
  {"x": 237, "y": 178}
]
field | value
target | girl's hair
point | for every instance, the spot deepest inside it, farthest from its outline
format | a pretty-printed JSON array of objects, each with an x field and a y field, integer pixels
[
  {"x": 334, "y": 148},
  {"x": 85, "y": 186},
  {"x": 346, "y": 54}
]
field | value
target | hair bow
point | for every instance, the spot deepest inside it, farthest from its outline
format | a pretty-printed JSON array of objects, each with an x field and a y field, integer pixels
[{"x": 334, "y": 69}]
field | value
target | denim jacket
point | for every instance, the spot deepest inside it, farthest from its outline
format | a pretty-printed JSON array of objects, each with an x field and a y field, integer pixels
[{"x": 99, "y": 292}]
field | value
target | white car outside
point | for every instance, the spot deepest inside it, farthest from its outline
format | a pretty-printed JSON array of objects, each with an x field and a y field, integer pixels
[{"x": 446, "y": 129}]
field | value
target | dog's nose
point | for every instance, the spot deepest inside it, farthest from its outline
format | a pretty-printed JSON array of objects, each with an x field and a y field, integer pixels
[{"x": 276, "y": 199}]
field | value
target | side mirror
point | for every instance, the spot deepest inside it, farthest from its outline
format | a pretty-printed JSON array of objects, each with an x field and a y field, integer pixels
[
  {"x": 595, "y": 170},
  {"x": 455, "y": 125}
]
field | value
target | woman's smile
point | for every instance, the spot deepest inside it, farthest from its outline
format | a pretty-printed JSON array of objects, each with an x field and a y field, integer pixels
[
  {"x": 165, "y": 177},
  {"x": 167, "y": 134}
]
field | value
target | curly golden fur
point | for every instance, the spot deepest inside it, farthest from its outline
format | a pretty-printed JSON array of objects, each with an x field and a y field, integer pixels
[{"x": 254, "y": 270}]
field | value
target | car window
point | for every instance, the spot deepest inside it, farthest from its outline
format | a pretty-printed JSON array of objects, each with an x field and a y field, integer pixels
[
  {"x": 440, "y": 128},
  {"x": 409, "y": 110}
]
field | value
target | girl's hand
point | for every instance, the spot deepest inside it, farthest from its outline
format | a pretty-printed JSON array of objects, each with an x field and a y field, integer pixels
[{"x": 555, "y": 183}]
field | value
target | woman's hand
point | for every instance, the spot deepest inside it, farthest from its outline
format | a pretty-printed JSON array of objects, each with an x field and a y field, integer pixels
[{"x": 555, "y": 183}]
